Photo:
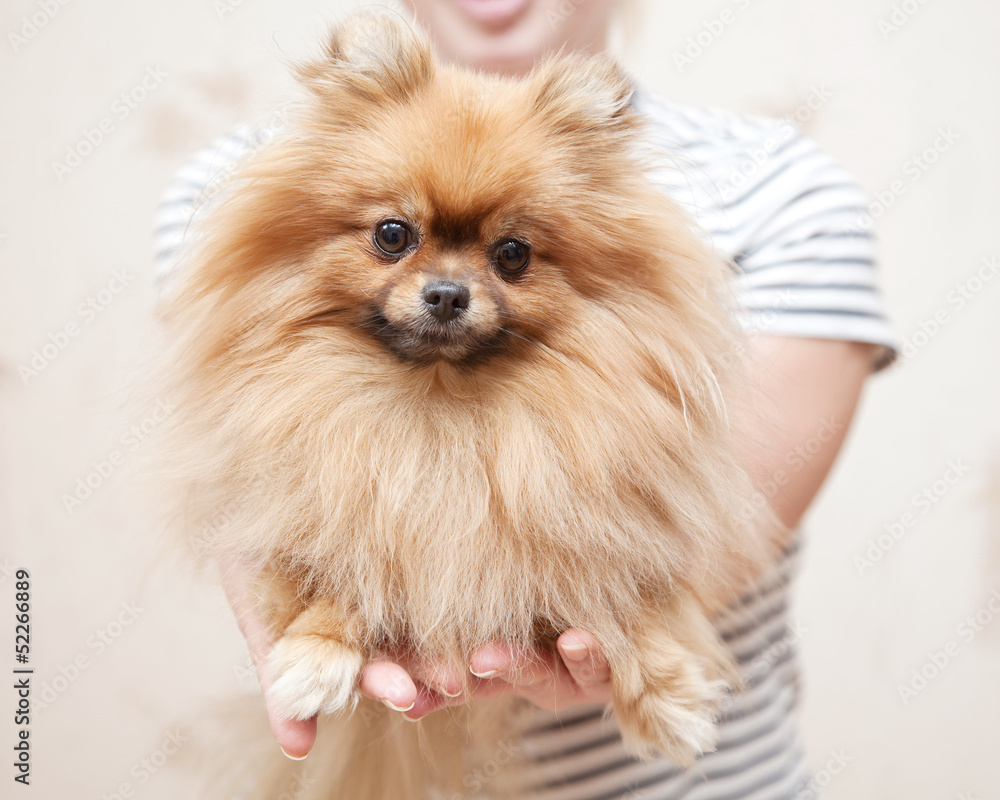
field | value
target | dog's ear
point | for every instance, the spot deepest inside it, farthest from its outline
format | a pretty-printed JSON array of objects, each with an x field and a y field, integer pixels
[
  {"x": 584, "y": 93},
  {"x": 372, "y": 55}
]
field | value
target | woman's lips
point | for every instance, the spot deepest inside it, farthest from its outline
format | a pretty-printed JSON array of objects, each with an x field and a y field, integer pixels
[{"x": 494, "y": 13}]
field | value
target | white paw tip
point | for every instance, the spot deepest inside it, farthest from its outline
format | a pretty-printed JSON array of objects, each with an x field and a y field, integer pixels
[{"x": 313, "y": 675}]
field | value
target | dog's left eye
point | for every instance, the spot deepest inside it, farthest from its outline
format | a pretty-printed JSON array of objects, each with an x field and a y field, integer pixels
[
  {"x": 511, "y": 256},
  {"x": 392, "y": 237}
]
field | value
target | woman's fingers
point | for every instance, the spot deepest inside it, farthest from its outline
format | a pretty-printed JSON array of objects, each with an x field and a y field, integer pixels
[
  {"x": 579, "y": 674},
  {"x": 534, "y": 674},
  {"x": 413, "y": 686},
  {"x": 494, "y": 659},
  {"x": 388, "y": 682},
  {"x": 585, "y": 662},
  {"x": 428, "y": 701},
  {"x": 295, "y": 737},
  {"x": 416, "y": 687}
]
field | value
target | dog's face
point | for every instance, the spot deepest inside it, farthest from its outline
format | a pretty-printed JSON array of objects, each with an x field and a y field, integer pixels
[
  {"x": 467, "y": 226},
  {"x": 452, "y": 249},
  {"x": 445, "y": 216}
]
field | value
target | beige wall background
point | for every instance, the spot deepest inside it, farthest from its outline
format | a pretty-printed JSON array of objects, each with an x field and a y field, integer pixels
[{"x": 121, "y": 651}]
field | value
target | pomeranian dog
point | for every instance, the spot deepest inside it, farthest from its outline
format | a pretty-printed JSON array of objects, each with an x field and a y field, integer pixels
[{"x": 465, "y": 371}]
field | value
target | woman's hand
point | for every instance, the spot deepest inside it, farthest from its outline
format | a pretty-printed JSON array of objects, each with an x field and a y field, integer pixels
[
  {"x": 578, "y": 674},
  {"x": 296, "y": 737}
]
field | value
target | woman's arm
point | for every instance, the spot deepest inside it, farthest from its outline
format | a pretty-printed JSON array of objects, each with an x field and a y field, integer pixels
[{"x": 797, "y": 414}]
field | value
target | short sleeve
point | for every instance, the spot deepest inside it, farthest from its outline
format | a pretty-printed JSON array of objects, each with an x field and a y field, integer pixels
[
  {"x": 191, "y": 192},
  {"x": 790, "y": 218},
  {"x": 807, "y": 264}
]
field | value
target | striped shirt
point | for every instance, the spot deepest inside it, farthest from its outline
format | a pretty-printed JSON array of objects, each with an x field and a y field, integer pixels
[
  {"x": 579, "y": 755},
  {"x": 793, "y": 223}
]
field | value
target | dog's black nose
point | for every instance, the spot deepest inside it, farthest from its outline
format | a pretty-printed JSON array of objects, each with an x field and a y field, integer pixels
[{"x": 446, "y": 299}]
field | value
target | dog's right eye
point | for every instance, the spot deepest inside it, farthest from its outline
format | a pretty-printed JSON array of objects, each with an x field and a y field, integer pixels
[{"x": 392, "y": 237}]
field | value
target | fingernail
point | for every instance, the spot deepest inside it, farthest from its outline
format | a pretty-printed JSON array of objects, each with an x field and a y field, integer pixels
[
  {"x": 411, "y": 719},
  {"x": 575, "y": 652},
  {"x": 489, "y": 674},
  {"x": 394, "y": 707},
  {"x": 294, "y": 758},
  {"x": 449, "y": 694}
]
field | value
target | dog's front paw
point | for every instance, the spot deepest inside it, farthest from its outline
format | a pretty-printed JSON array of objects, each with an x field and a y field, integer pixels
[
  {"x": 679, "y": 724},
  {"x": 313, "y": 674}
]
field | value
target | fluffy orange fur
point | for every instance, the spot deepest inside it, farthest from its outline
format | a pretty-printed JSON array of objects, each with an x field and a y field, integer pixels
[{"x": 556, "y": 455}]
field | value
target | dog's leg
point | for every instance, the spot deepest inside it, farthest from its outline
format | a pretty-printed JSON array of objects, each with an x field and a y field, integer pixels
[
  {"x": 666, "y": 695},
  {"x": 315, "y": 667}
]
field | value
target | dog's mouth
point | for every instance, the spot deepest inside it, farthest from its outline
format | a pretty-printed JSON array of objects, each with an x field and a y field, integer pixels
[
  {"x": 424, "y": 340},
  {"x": 439, "y": 319}
]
